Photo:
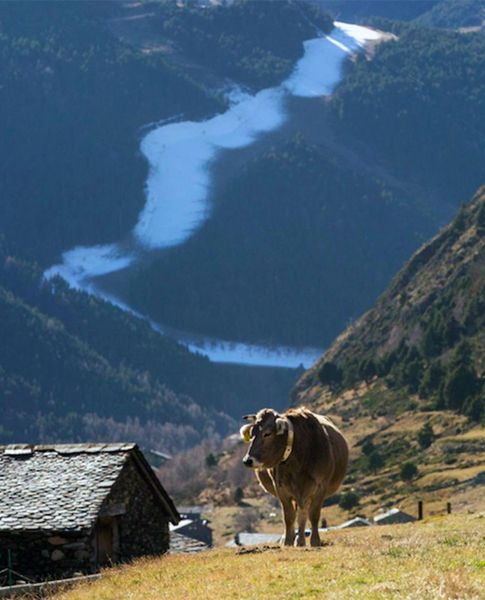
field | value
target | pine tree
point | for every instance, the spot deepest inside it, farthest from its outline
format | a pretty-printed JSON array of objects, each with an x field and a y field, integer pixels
[{"x": 426, "y": 436}]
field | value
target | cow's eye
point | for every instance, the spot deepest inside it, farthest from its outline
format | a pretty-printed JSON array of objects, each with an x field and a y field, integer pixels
[{"x": 266, "y": 433}]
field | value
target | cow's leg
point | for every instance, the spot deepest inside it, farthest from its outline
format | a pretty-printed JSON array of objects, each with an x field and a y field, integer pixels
[
  {"x": 302, "y": 518},
  {"x": 314, "y": 514},
  {"x": 289, "y": 513}
]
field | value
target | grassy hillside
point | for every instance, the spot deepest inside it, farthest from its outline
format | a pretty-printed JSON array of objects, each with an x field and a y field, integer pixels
[
  {"x": 425, "y": 335},
  {"x": 438, "y": 558}
]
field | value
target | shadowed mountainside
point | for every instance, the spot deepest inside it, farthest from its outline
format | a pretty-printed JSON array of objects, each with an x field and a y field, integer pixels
[
  {"x": 311, "y": 226},
  {"x": 425, "y": 334}
]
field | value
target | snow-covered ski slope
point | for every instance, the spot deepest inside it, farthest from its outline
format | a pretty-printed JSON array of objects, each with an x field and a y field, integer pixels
[{"x": 181, "y": 156}]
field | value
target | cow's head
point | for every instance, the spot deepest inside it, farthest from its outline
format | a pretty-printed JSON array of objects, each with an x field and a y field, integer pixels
[{"x": 265, "y": 432}]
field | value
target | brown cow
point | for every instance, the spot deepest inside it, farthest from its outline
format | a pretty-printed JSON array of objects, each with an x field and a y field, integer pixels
[{"x": 299, "y": 457}]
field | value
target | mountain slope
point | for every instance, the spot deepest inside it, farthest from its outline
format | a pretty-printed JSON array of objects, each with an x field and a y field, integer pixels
[
  {"x": 309, "y": 226},
  {"x": 240, "y": 40},
  {"x": 360, "y": 10},
  {"x": 74, "y": 368},
  {"x": 419, "y": 103},
  {"x": 295, "y": 236},
  {"x": 426, "y": 333},
  {"x": 405, "y": 382},
  {"x": 453, "y": 14},
  {"x": 73, "y": 100}
]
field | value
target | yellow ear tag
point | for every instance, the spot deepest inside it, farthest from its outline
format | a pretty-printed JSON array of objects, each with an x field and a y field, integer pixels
[{"x": 245, "y": 434}]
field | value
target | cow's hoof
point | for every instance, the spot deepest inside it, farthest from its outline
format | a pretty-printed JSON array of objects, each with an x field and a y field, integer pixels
[{"x": 315, "y": 543}]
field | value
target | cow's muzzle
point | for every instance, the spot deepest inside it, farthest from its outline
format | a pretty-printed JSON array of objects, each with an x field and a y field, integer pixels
[{"x": 251, "y": 462}]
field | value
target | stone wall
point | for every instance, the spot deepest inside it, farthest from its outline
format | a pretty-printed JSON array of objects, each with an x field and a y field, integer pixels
[
  {"x": 41, "y": 556},
  {"x": 143, "y": 528}
]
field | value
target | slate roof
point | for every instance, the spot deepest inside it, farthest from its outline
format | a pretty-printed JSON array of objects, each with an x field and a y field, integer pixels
[
  {"x": 181, "y": 544},
  {"x": 394, "y": 514},
  {"x": 62, "y": 487},
  {"x": 356, "y": 522}
]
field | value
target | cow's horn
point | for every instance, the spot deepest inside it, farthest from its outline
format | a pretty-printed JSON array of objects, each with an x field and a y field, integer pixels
[
  {"x": 245, "y": 433},
  {"x": 281, "y": 425},
  {"x": 250, "y": 418}
]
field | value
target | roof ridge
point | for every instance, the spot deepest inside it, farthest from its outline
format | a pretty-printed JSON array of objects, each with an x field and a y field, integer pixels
[{"x": 80, "y": 448}]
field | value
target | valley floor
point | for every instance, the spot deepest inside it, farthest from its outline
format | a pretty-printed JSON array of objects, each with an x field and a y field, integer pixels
[{"x": 439, "y": 558}]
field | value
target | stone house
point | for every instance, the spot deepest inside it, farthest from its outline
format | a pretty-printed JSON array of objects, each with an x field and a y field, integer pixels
[{"x": 74, "y": 508}]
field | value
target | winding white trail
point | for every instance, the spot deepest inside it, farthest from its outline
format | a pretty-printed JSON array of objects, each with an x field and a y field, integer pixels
[{"x": 180, "y": 156}]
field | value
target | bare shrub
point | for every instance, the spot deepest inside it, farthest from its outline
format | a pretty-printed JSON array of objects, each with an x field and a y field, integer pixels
[
  {"x": 246, "y": 519},
  {"x": 187, "y": 474}
]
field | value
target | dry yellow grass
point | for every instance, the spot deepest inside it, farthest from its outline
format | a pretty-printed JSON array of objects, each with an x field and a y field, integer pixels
[{"x": 441, "y": 558}]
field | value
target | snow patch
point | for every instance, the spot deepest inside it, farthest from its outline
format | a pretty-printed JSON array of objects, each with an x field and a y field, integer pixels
[{"x": 82, "y": 263}]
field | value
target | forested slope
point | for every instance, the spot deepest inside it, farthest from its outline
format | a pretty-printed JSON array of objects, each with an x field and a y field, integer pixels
[
  {"x": 361, "y": 10},
  {"x": 296, "y": 236},
  {"x": 73, "y": 100},
  {"x": 452, "y": 14},
  {"x": 76, "y": 368},
  {"x": 421, "y": 103},
  {"x": 255, "y": 43},
  {"x": 446, "y": 14}
]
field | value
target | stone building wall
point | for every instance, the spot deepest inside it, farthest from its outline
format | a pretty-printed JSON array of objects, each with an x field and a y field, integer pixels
[
  {"x": 43, "y": 556},
  {"x": 143, "y": 528},
  {"x": 139, "y": 527}
]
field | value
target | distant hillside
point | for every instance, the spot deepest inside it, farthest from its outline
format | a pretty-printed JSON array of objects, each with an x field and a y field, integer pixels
[
  {"x": 446, "y": 14},
  {"x": 309, "y": 228},
  {"x": 76, "y": 368},
  {"x": 313, "y": 239},
  {"x": 255, "y": 43},
  {"x": 454, "y": 14},
  {"x": 420, "y": 104},
  {"x": 425, "y": 336},
  {"x": 360, "y": 10},
  {"x": 73, "y": 100}
]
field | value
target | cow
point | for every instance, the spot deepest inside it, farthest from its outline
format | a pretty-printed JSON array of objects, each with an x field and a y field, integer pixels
[{"x": 299, "y": 457}]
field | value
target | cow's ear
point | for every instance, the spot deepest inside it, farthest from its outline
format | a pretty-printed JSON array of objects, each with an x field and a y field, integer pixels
[
  {"x": 245, "y": 433},
  {"x": 250, "y": 418},
  {"x": 281, "y": 426}
]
